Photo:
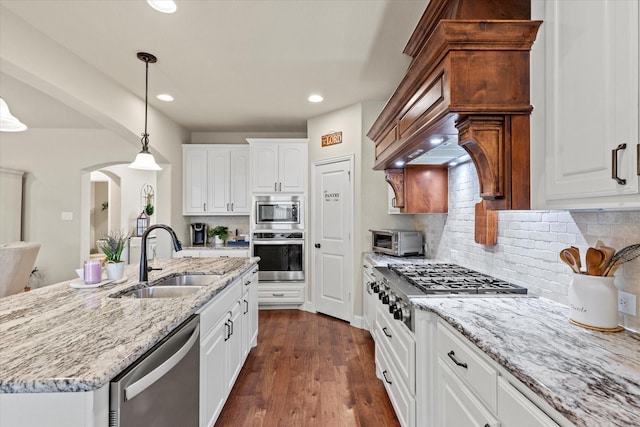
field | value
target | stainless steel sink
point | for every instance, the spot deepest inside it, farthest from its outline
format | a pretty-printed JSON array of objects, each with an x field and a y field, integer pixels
[
  {"x": 187, "y": 280},
  {"x": 164, "y": 291}
]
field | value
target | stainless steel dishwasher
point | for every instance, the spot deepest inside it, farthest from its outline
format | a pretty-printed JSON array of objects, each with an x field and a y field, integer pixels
[{"x": 162, "y": 387}]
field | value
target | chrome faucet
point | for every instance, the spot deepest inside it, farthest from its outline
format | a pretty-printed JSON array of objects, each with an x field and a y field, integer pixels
[{"x": 144, "y": 268}]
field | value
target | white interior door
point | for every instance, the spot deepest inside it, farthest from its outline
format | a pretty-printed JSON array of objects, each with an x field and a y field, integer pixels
[{"x": 332, "y": 237}]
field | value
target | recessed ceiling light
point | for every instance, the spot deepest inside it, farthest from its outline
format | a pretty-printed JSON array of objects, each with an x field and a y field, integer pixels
[
  {"x": 164, "y": 6},
  {"x": 165, "y": 97},
  {"x": 436, "y": 140},
  {"x": 315, "y": 98},
  {"x": 400, "y": 163}
]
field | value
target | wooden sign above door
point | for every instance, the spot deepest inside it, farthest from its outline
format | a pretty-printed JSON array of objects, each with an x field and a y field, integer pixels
[{"x": 332, "y": 138}]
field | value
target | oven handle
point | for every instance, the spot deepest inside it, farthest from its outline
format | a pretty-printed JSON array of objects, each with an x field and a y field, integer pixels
[
  {"x": 139, "y": 386},
  {"x": 278, "y": 242}
]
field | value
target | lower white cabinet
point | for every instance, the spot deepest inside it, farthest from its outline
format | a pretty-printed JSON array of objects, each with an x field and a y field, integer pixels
[
  {"x": 458, "y": 385},
  {"x": 228, "y": 331},
  {"x": 395, "y": 349},
  {"x": 280, "y": 294},
  {"x": 212, "y": 253},
  {"x": 457, "y": 405},
  {"x": 369, "y": 298}
]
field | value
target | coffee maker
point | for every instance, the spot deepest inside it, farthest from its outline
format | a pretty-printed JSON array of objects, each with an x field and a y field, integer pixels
[{"x": 198, "y": 234}]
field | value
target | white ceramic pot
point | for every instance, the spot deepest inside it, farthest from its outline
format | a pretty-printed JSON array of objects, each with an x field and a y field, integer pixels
[
  {"x": 593, "y": 301},
  {"x": 115, "y": 270},
  {"x": 218, "y": 241}
]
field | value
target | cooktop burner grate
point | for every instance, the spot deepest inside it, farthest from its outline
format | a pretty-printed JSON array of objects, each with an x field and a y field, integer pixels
[{"x": 453, "y": 279}]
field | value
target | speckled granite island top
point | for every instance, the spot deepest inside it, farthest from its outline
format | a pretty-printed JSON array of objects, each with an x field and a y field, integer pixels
[
  {"x": 592, "y": 378},
  {"x": 60, "y": 339}
]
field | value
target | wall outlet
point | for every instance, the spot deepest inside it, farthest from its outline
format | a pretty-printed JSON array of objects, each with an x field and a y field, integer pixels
[
  {"x": 626, "y": 303},
  {"x": 66, "y": 216}
]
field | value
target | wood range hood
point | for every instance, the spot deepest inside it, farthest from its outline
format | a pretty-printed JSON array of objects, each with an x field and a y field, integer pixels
[{"x": 469, "y": 78}]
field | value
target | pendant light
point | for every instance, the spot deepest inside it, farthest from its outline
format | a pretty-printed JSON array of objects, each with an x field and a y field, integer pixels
[
  {"x": 144, "y": 160},
  {"x": 8, "y": 122}
]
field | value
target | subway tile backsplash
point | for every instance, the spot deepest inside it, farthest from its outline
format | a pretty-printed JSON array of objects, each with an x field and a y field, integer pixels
[{"x": 529, "y": 241}]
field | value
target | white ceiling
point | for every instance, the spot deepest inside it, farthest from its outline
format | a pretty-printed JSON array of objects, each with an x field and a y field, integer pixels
[{"x": 231, "y": 65}]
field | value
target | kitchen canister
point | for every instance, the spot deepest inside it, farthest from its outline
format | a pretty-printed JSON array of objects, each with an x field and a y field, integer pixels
[
  {"x": 593, "y": 302},
  {"x": 92, "y": 271}
]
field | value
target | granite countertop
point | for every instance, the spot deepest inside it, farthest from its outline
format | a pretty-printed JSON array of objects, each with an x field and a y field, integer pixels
[
  {"x": 380, "y": 260},
  {"x": 61, "y": 339},
  {"x": 592, "y": 378}
]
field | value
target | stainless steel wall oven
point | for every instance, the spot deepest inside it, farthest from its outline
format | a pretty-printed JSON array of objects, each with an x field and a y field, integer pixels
[{"x": 281, "y": 255}]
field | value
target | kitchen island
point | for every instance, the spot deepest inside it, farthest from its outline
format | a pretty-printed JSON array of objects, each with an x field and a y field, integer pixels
[{"x": 58, "y": 340}]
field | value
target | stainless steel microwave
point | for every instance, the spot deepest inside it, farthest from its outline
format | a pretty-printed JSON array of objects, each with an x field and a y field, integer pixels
[
  {"x": 278, "y": 212},
  {"x": 397, "y": 242}
]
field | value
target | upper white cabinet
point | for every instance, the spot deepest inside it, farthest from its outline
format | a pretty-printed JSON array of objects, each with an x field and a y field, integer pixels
[
  {"x": 585, "y": 96},
  {"x": 278, "y": 165},
  {"x": 216, "y": 180}
]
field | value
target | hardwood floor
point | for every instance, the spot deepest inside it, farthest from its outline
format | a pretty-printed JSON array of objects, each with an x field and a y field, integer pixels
[{"x": 308, "y": 370}]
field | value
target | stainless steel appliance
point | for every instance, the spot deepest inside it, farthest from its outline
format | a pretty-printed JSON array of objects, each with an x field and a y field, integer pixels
[
  {"x": 162, "y": 387},
  {"x": 281, "y": 255},
  {"x": 198, "y": 234},
  {"x": 396, "y": 283},
  {"x": 397, "y": 242},
  {"x": 278, "y": 212}
]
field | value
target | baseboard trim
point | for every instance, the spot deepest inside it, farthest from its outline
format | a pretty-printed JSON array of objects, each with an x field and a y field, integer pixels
[{"x": 358, "y": 322}]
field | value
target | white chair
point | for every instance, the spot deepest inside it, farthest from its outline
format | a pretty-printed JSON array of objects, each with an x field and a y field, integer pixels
[{"x": 16, "y": 263}]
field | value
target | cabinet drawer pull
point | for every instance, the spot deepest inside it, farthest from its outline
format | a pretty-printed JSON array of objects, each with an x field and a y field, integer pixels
[
  {"x": 227, "y": 207},
  {"x": 452, "y": 356},
  {"x": 280, "y": 187},
  {"x": 386, "y": 332},
  {"x": 275, "y": 186},
  {"x": 231, "y": 207},
  {"x": 384, "y": 374},
  {"x": 204, "y": 207},
  {"x": 638, "y": 159},
  {"x": 227, "y": 331},
  {"x": 246, "y": 306},
  {"x": 277, "y": 295},
  {"x": 614, "y": 164}
]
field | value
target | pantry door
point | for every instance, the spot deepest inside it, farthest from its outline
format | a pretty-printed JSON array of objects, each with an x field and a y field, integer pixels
[{"x": 331, "y": 240}]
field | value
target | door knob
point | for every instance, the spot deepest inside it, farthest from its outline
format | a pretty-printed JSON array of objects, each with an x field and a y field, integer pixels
[{"x": 317, "y": 245}]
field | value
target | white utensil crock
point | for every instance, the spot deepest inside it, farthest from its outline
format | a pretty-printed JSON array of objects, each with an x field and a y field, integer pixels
[{"x": 593, "y": 301}]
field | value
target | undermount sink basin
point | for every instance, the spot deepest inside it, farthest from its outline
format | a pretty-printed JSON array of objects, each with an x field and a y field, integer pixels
[
  {"x": 187, "y": 280},
  {"x": 165, "y": 291}
]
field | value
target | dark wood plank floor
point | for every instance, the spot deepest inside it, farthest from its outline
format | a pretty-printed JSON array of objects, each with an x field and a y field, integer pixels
[{"x": 308, "y": 370}]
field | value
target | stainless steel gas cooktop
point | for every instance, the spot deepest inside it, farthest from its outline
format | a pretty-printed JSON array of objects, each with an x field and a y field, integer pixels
[{"x": 399, "y": 282}]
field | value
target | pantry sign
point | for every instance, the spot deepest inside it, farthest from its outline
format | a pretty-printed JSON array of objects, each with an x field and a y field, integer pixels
[{"x": 332, "y": 138}]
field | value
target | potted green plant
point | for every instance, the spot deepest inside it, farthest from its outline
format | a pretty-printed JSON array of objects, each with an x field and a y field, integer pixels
[
  {"x": 220, "y": 233},
  {"x": 113, "y": 245}
]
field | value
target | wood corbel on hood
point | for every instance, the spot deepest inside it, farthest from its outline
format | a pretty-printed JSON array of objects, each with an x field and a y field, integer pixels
[{"x": 468, "y": 78}]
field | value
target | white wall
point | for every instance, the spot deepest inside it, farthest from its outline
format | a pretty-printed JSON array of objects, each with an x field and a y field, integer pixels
[
  {"x": 370, "y": 187},
  {"x": 529, "y": 241},
  {"x": 56, "y": 158}
]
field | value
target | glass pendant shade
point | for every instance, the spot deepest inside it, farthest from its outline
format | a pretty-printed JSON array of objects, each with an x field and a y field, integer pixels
[
  {"x": 8, "y": 122},
  {"x": 145, "y": 161}
]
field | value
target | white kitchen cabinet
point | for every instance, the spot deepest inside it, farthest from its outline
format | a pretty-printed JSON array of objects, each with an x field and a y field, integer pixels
[
  {"x": 216, "y": 180},
  {"x": 585, "y": 94},
  {"x": 369, "y": 297},
  {"x": 396, "y": 363},
  {"x": 280, "y": 294},
  {"x": 457, "y": 384},
  {"x": 278, "y": 165},
  {"x": 456, "y": 404},
  {"x": 211, "y": 253},
  {"x": 71, "y": 409},
  {"x": 225, "y": 328},
  {"x": 250, "y": 310}
]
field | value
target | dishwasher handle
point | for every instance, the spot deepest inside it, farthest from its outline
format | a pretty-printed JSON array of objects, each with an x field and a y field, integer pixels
[{"x": 139, "y": 386}]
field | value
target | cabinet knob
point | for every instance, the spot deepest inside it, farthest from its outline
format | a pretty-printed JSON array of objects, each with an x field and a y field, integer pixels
[{"x": 317, "y": 245}]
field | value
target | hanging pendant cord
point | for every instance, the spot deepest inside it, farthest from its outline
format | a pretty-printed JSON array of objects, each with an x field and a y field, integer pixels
[{"x": 145, "y": 135}]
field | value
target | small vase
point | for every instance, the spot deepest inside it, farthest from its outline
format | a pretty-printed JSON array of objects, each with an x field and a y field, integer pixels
[
  {"x": 593, "y": 301},
  {"x": 115, "y": 270}
]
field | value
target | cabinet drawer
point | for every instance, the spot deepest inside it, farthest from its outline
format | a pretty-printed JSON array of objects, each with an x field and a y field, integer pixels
[
  {"x": 473, "y": 371},
  {"x": 399, "y": 344},
  {"x": 402, "y": 399},
  {"x": 279, "y": 294},
  {"x": 515, "y": 410},
  {"x": 216, "y": 308}
]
